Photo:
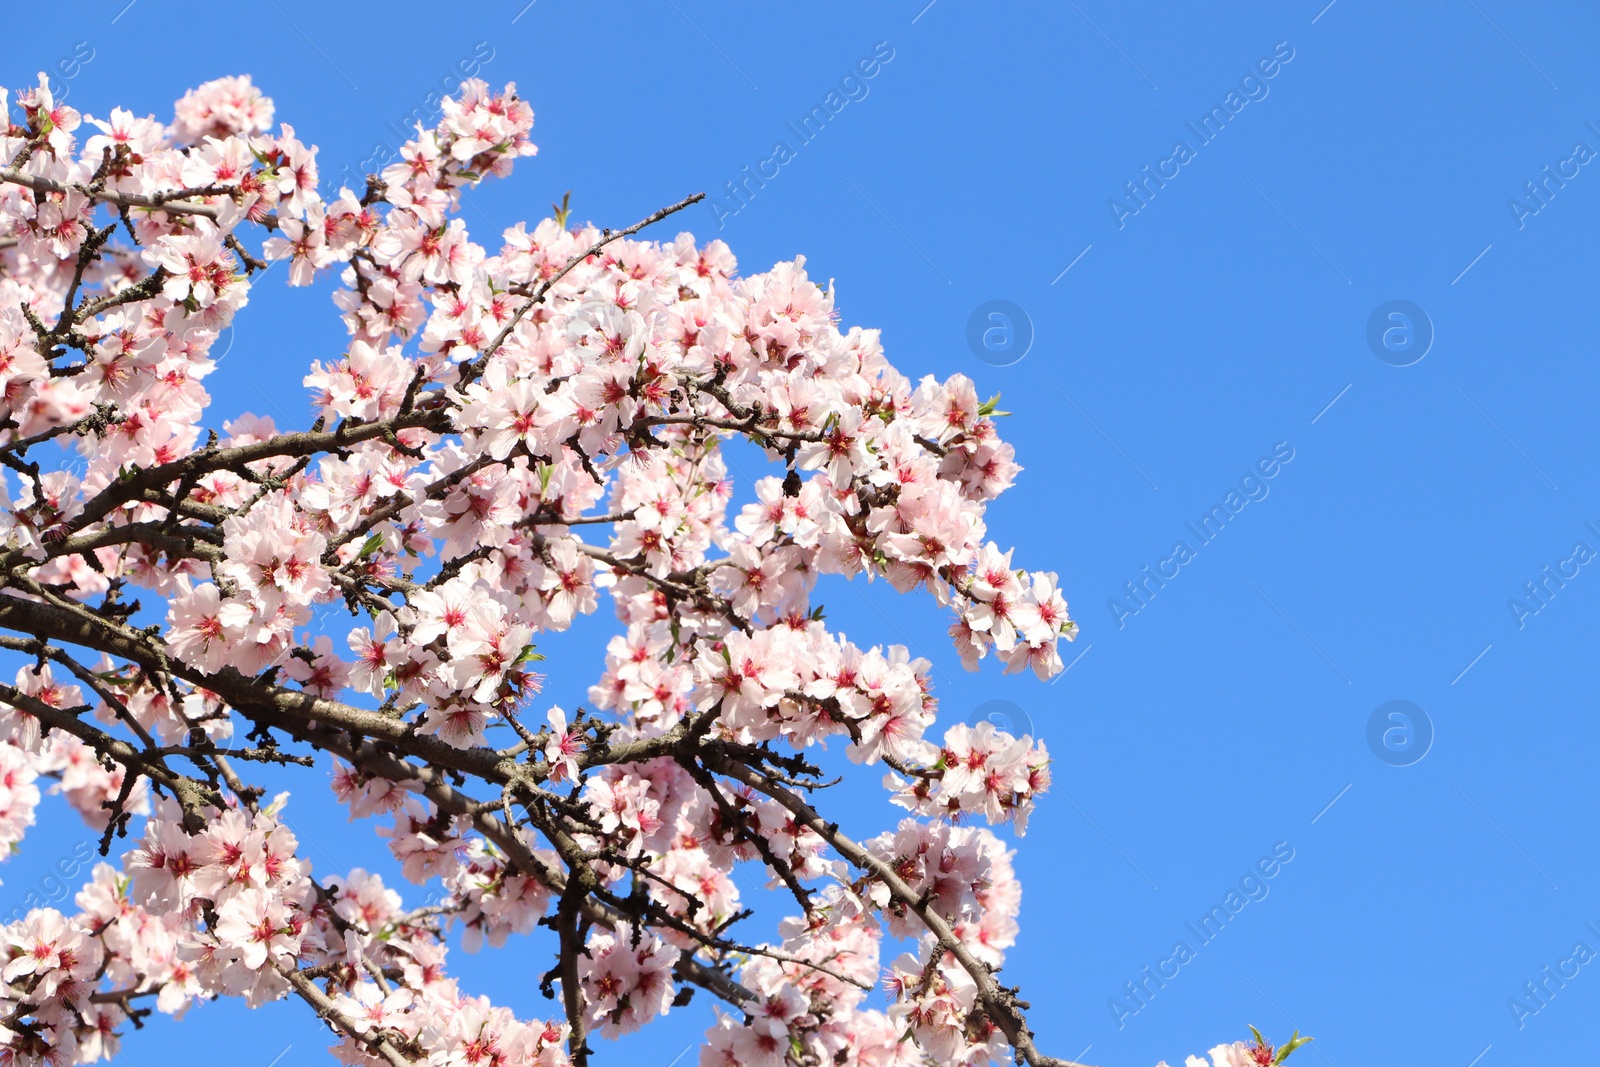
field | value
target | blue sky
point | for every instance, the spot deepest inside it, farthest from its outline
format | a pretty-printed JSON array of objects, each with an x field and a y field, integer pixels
[{"x": 1178, "y": 351}]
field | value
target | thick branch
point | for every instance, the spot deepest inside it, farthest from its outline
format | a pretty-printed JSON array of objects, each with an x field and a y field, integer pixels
[{"x": 175, "y": 202}]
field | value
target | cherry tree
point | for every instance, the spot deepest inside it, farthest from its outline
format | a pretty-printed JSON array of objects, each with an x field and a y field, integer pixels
[{"x": 511, "y": 438}]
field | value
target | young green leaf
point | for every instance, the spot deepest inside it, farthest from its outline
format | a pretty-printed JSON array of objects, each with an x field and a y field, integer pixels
[{"x": 1294, "y": 1042}]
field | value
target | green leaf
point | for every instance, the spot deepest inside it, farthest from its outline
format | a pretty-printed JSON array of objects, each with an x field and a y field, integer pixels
[
  {"x": 370, "y": 547},
  {"x": 991, "y": 407},
  {"x": 1289, "y": 1046}
]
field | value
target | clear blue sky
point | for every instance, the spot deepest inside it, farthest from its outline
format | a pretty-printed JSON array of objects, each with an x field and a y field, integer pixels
[{"x": 1184, "y": 344}]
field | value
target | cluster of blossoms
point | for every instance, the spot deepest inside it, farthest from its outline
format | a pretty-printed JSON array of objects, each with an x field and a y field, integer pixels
[
  {"x": 76, "y": 769},
  {"x": 229, "y": 910},
  {"x": 491, "y": 406}
]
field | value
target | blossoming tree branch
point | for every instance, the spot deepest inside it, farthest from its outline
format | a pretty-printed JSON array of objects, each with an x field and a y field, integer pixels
[{"x": 511, "y": 438}]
